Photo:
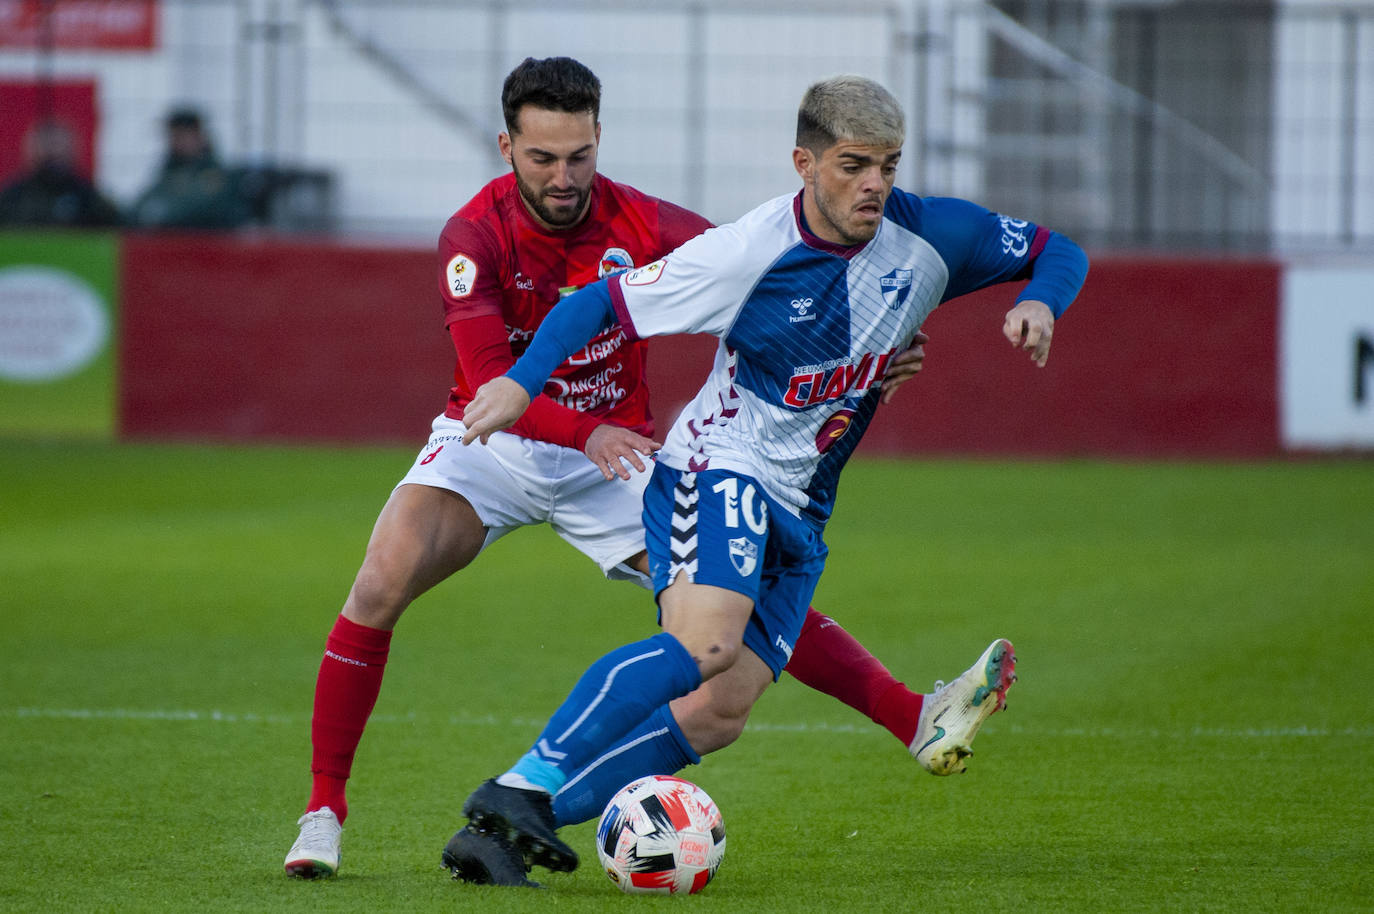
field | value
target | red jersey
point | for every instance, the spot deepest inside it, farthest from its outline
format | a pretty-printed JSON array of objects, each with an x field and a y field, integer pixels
[{"x": 499, "y": 274}]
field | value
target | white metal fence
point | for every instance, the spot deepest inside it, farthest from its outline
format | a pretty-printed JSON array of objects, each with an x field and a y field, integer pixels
[{"x": 1206, "y": 126}]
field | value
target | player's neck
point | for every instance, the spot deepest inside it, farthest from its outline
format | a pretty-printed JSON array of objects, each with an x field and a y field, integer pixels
[{"x": 829, "y": 239}]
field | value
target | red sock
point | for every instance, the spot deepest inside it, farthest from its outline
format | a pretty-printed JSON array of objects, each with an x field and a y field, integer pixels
[
  {"x": 347, "y": 688},
  {"x": 829, "y": 659}
]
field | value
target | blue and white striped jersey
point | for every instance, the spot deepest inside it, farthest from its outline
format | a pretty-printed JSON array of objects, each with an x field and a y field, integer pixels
[{"x": 807, "y": 329}]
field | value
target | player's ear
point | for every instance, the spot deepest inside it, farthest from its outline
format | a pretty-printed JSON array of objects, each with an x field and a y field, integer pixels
[
  {"x": 503, "y": 142},
  {"x": 804, "y": 162}
]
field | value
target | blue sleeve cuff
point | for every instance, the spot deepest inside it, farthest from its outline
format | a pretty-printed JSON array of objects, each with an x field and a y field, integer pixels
[{"x": 1057, "y": 274}]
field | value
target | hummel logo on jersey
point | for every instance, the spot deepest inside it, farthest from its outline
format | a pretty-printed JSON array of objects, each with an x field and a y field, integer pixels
[
  {"x": 896, "y": 287},
  {"x": 803, "y": 308}
]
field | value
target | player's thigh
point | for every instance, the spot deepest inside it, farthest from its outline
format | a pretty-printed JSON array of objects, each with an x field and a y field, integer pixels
[
  {"x": 505, "y": 481},
  {"x": 708, "y": 620},
  {"x": 723, "y": 529},
  {"x": 602, "y": 519},
  {"x": 795, "y": 567},
  {"x": 706, "y": 534},
  {"x": 422, "y": 535}
]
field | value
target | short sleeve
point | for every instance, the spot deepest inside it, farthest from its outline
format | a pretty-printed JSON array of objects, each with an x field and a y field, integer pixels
[{"x": 470, "y": 264}]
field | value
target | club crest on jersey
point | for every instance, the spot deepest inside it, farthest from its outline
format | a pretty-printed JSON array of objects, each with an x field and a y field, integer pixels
[
  {"x": 645, "y": 275},
  {"x": 461, "y": 275},
  {"x": 615, "y": 260},
  {"x": 744, "y": 555},
  {"x": 896, "y": 287}
]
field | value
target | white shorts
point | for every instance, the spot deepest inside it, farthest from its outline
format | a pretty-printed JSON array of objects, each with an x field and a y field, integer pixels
[{"x": 514, "y": 482}]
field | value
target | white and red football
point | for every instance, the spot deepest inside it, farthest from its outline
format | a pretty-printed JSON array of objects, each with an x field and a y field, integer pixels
[{"x": 660, "y": 835}]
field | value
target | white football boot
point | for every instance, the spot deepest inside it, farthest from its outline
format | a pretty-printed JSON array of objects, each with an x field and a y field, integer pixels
[
  {"x": 952, "y": 714},
  {"x": 315, "y": 854}
]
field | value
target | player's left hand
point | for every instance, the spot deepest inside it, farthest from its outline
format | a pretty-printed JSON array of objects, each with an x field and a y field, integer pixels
[
  {"x": 1029, "y": 326},
  {"x": 495, "y": 406},
  {"x": 904, "y": 366},
  {"x": 610, "y": 447}
]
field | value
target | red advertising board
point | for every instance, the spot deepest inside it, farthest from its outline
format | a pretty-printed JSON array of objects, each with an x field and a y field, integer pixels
[
  {"x": 258, "y": 339},
  {"x": 104, "y": 25},
  {"x": 71, "y": 103},
  {"x": 243, "y": 339}
]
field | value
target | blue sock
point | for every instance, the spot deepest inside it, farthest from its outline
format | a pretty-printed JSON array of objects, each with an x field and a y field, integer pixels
[
  {"x": 616, "y": 693},
  {"x": 656, "y": 746}
]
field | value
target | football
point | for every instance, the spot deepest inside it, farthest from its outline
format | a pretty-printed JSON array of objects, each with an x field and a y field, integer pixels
[{"x": 660, "y": 835}]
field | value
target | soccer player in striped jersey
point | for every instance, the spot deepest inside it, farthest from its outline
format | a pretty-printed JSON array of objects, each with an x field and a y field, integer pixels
[
  {"x": 811, "y": 294},
  {"x": 523, "y": 242}
]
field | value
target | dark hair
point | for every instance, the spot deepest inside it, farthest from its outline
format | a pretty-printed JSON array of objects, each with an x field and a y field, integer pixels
[
  {"x": 184, "y": 117},
  {"x": 554, "y": 83}
]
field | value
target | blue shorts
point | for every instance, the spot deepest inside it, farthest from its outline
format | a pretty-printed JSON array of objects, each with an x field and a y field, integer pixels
[{"x": 721, "y": 528}]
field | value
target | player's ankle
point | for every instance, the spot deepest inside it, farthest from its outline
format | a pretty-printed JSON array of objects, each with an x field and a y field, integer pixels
[{"x": 328, "y": 791}]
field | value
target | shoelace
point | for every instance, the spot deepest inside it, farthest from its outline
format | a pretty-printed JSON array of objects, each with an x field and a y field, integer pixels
[{"x": 318, "y": 828}]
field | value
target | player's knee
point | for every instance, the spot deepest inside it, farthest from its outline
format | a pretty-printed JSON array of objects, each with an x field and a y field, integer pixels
[
  {"x": 380, "y": 594},
  {"x": 715, "y": 733},
  {"x": 727, "y": 724},
  {"x": 710, "y": 722},
  {"x": 714, "y": 650},
  {"x": 715, "y": 655}
]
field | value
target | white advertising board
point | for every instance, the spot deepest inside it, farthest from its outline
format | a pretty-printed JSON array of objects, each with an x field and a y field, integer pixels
[{"x": 1326, "y": 359}]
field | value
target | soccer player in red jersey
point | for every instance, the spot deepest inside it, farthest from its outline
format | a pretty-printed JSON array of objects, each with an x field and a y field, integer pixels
[{"x": 506, "y": 258}]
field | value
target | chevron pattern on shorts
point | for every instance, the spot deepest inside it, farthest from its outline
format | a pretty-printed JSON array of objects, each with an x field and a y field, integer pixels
[{"x": 683, "y": 536}]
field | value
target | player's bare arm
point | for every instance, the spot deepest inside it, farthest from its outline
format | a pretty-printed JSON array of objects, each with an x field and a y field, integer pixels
[
  {"x": 907, "y": 363},
  {"x": 610, "y": 447},
  {"x": 1029, "y": 326},
  {"x": 496, "y": 406}
]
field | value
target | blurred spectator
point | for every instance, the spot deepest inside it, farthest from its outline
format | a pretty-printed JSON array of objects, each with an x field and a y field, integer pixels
[
  {"x": 193, "y": 189},
  {"x": 51, "y": 191}
]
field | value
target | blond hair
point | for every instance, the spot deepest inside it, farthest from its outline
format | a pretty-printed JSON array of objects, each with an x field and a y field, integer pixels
[{"x": 849, "y": 107}]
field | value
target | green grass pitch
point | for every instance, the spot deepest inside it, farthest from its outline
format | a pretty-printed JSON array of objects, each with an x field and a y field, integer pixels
[{"x": 1193, "y": 729}]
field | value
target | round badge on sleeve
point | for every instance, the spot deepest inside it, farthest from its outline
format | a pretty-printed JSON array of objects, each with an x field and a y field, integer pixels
[{"x": 461, "y": 275}]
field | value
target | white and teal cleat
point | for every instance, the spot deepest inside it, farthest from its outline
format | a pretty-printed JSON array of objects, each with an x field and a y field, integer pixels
[{"x": 952, "y": 714}]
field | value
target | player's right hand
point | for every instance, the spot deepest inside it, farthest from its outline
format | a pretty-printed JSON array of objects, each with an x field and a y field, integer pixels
[
  {"x": 610, "y": 447},
  {"x": 495, "y": 406},
  {"x": 1030, "y": 326}
]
